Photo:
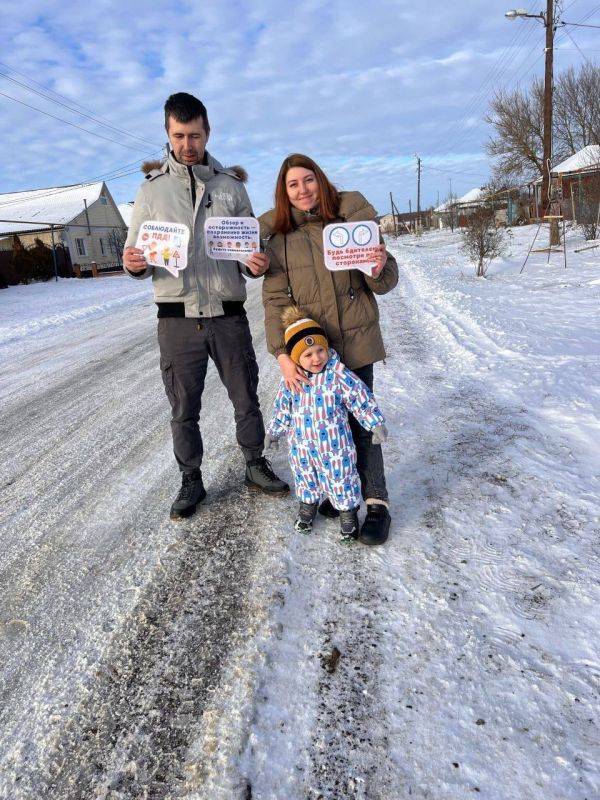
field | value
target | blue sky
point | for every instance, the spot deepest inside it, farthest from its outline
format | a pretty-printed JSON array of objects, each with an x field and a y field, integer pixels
[{"x": 359, "y": 87}]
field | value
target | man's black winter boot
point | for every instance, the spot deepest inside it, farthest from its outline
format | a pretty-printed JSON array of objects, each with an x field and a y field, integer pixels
[
  {"x": 376, "y": 527},
  {"x": 349, "y": 524},
  {"x": 261, "y": 478},
  {"x": 191, "y": 493}
]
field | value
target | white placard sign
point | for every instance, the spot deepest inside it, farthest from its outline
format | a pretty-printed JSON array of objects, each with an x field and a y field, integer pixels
[
  {"x": 165, "y": 244},
  {"x": 231, "y": 238},
  {"x": 351, "y": 245}
]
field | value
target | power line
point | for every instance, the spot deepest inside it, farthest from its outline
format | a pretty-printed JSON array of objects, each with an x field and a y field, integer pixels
[
  {"x": 457, "y": 172},
  {"x": 494, "y": 74},
  {"x": 115, "y": 174},
  {"x": 559, "y": 38},
  {"x": 72, "y": 124},
  {"x": 531, "y": 29},
  {"x": 57, "y": 94},
  {"x": 75, "y": 110},
  {"x": 532, "y": 64},
  {"x": 578, "y": 25},
  {"x": 481, "y": 96},
  {"x": 577, "y": 46}
]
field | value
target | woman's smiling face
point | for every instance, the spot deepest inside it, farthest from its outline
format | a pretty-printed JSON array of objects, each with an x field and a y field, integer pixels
[{"x": 302, "y": 188}]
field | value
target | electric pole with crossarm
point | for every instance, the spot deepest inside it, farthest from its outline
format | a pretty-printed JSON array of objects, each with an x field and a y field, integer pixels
[{"x": 550, "y": 24}]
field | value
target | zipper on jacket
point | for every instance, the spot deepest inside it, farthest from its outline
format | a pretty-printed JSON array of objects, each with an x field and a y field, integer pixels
[
  {"x": 193, "y": 231},
  {"x": 193, "y": 188}
]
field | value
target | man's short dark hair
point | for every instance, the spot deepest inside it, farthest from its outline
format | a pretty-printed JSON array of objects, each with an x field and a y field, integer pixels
[{"x": 184, "y": 108}]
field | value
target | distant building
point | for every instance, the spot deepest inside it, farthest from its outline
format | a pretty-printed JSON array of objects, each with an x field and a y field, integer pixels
[
  {"x": 405, "y": 222},
  {"x": 83, "y": 218},
  {"x": 454, "y": 213}
]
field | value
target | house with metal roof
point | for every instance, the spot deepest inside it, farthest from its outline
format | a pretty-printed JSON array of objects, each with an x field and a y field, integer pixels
[{"x": 83, "y": 218}]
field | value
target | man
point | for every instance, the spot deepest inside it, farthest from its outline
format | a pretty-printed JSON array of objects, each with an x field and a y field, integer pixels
[{"x": 201, "y": 311}]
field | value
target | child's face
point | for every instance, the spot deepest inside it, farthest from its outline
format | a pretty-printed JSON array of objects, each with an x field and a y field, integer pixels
[{"x": 314, "y": 358}]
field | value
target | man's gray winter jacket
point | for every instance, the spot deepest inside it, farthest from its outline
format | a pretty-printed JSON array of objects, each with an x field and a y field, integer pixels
[{"x": 166, "y": 196}]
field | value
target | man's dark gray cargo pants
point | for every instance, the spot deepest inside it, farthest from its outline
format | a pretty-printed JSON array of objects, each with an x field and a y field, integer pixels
[{"x": 185, "y": 347}]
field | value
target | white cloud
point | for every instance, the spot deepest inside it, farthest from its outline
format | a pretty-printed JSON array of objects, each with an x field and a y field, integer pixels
[{"x": 360, "y": 89}]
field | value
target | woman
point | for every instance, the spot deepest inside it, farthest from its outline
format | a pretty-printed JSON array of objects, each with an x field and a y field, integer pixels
[{"x": 343, "y": 302}]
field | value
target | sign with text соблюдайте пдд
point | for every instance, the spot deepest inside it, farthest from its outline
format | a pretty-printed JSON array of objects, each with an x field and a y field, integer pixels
[{"x": 164, "y": 244}]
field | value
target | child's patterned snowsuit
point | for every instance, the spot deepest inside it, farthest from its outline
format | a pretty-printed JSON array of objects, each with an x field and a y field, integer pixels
[{"x": 322, "y": 452}]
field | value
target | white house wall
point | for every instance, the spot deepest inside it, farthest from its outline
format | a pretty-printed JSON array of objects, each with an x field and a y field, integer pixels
[{"x": 103, "y": 221}]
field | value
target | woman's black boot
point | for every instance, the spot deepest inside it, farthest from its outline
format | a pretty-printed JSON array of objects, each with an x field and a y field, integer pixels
[{"x": 376, "y": 527}]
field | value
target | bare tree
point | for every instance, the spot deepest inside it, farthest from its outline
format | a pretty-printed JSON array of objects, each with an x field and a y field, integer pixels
[
  {"x": 577, "y": 109},
  {"x": 449, "y": 206},
  {"x": 517, "y": 118},
  {"x": 482, "y": 240},
  {"x": 518, "y": 121}
]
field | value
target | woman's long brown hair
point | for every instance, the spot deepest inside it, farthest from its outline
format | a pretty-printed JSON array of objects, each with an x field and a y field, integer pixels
[{"x": 329, "y": 198}]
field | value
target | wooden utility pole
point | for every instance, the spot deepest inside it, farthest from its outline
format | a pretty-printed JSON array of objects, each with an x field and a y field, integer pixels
[
  {"x": 418, "y": 192},
  {"x": 548, "y": 77},
  {"x": 550, "y": 24},
  {"x": 395, "y": 215},
  {"x": 54, "y": 253},
  {"x": 548, "y": 92}
]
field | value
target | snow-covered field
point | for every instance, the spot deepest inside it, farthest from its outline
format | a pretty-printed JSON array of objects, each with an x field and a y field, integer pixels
[{"x": 228, "y": 657}]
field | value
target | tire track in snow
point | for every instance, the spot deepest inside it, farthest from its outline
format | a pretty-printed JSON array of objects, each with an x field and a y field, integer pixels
[
  {"x": 461, "y": 472},
  {"x": 127, "y": 619},
  {"x": 143, "y": 706}
]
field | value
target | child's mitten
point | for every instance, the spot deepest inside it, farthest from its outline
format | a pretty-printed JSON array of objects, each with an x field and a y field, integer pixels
[
  {"x": 271, "y": 443},
  {"x": 380, "y": 434}
]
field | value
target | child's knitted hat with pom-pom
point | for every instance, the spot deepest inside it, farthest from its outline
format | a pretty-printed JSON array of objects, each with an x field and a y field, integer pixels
[{"x": 301, "y": 333}]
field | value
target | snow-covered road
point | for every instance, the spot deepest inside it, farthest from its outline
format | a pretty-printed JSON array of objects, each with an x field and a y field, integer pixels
[{"x": 227, "y": 657}]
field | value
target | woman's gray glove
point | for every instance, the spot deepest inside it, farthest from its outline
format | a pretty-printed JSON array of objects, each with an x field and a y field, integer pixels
[
  {"x": 380, "y": 434},
  {"x": 271, "y": 443}
]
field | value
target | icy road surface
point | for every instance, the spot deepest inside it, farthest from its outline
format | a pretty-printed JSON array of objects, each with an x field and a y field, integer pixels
[{"x": 227, "y": 657}]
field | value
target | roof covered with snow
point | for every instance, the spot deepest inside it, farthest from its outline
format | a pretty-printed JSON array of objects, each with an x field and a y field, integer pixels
[
  {"x": 588, "y": 157},
  {"x": 20, "y": 211},
  {"x": 472, "y": 196},
  {"x": 126, "y": 209}
]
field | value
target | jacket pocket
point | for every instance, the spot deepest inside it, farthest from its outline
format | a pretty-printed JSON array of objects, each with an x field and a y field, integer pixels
[
  {"x": 167, "y": 285},
  {"x": 252, "y": 367},
  {"x": 226, "y": 282}
]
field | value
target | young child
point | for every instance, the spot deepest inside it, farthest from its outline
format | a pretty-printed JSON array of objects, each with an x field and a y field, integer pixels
[{"x": 322, "y": 453}]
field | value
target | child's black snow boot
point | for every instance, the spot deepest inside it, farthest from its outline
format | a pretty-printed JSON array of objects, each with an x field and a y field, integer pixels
[
  {"x": 349, "y": 524},
  {"x": 306, "y": 515}
]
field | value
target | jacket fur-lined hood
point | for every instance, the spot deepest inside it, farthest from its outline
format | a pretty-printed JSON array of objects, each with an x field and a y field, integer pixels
[{"x": 149, "y": 166}]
